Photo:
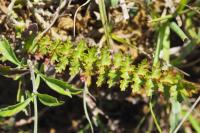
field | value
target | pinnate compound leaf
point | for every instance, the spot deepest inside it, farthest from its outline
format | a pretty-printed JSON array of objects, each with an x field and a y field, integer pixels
[
  {"x": 49, "y": 100},
  {"x": 7, "y": 52},
  {"x": 14, "y": 109}
]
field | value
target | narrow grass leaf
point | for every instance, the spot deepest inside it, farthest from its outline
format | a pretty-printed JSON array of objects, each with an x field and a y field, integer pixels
[
  {"x": 179, "y": 31},
  {"x": 194, "y": 122},
  {"x": 175, "y": 114},
  {"x": 182, "y": 5},
  {"x": 159, "y": 45}
]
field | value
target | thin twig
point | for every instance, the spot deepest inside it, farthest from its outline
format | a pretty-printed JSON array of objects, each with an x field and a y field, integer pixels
[
  {"x": 55, "y": 17},
  {"x": 37, "y": 16},
  {"x": 10, "y": 16},
  {"x": 154, "y": 117},
  {"x": 84, "y": 4},
  {"x": 196, "y": 9},
  {"x": 170, "y": 4},
  {"x": 186, "y": 116}
]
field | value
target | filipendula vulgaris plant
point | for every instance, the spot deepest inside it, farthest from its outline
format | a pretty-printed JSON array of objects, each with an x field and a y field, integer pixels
[{"x": 112, "y": 68}]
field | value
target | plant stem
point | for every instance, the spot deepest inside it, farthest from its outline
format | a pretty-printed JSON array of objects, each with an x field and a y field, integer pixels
[
  {"x": 35, "y": 114},
  {"x": 35, "y": 130},
  {"x": 85, "y": 92},
  {"x": 154, "y": 117},
  {"x": 75, "y": 14},
  {"x": 186, "y": 116},
  {"x": 158, "y": 46},
  {"x": 104, "y": 20}
]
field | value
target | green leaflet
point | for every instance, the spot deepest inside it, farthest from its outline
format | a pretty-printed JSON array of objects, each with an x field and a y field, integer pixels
[
  {"x": 74, "y": 67},
  {"x": 77, "y": 55},
  {"x": 118, "y": 58},
  {"x": 7, "y": 52},
  {"x": 114, "y": 74},
  {"x": 60, "y": 86},
  {"x": 103, "y": 63},
  {"x": 125, "y": 70},
  {"x": 142, "y": 69},
  {"x": 14, "y": 109},
  {"x": 156, "y": 72},
  {"x": 64, "y": 54},
  {"x": 89, "y": 59},
  {"x": 112, "y": 78},
  {"x": 62, "y": 63},
  {"x": 49, "y": 100},
  {"x": 79, "y": 51},
  {"x": 149, "y": 85},
  {"x": 136, "y": 85}
]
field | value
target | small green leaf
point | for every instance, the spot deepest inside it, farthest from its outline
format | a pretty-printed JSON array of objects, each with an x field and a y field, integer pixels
[
  {"x": 49, "y": 100},
  {"x": 7, "y": 52},
  {"x": 60, "y": 86},
  {"x": 14, "y": 109}
]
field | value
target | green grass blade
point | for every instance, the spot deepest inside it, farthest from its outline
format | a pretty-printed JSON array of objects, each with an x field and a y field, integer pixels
[{"x": 178, "y": 31}]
